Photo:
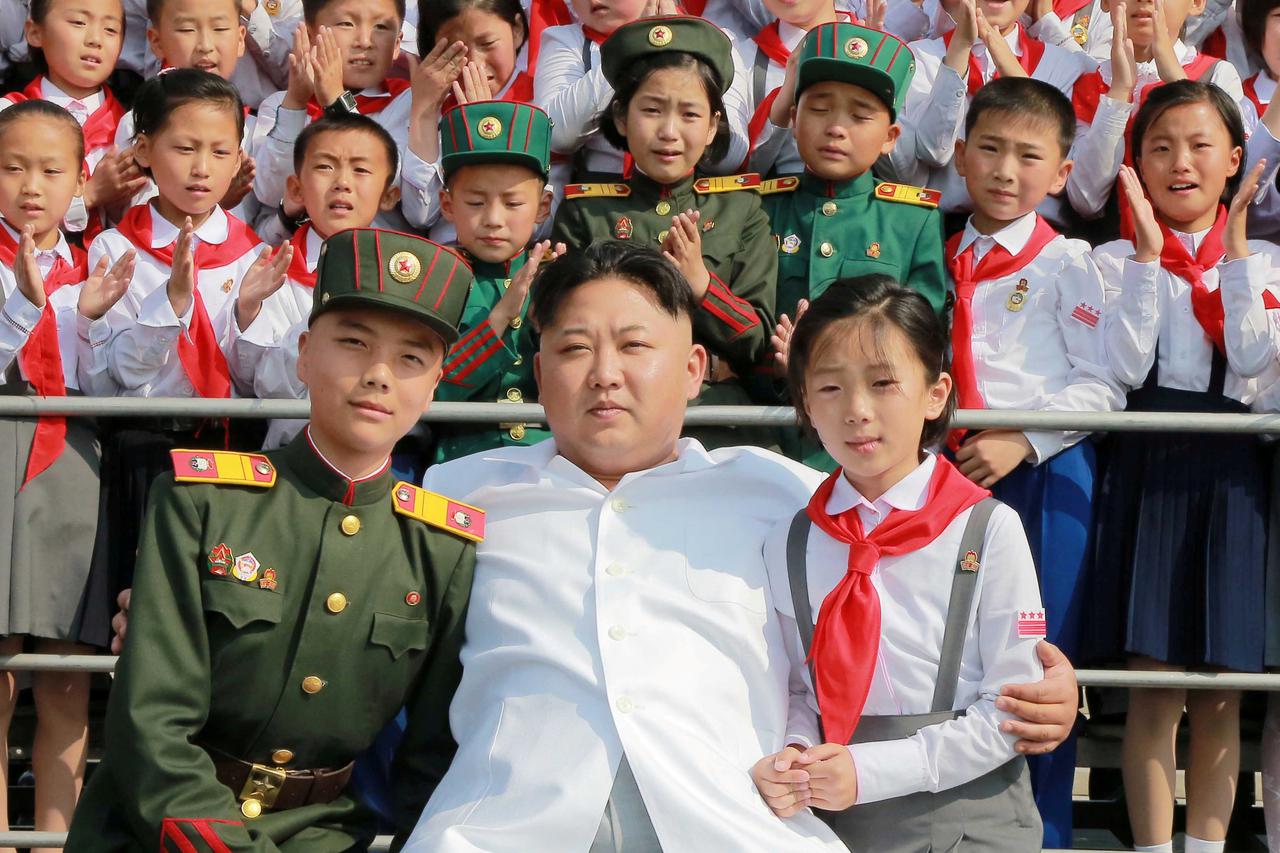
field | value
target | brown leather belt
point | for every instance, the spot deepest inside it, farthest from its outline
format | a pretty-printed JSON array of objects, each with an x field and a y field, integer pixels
[{"x": 278, "y": 789}]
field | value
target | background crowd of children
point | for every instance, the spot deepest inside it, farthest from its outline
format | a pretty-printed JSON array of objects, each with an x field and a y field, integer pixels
[{"x": 1084, "y": 190}]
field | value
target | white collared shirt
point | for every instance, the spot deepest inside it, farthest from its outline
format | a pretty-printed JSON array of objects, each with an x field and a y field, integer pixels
[
  {"x": 1046, "y": 352},
  {"x": 1097, "y": 31},
  {"x": 915, "y": 592},
  {"x": 138, "y": 337},
  {"x": 1148, "y": 304},
  {"x": 630, "y": 622},
  {"x": 18, "y": 317}
]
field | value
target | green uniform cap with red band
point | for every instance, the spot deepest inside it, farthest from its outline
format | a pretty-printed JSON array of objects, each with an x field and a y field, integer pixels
[
  {"x": 495, "y": 132},
  {"x": 675, "y": 33},
  {"x": 847, "y": 53},
  {"x": 399, "y": 272}
]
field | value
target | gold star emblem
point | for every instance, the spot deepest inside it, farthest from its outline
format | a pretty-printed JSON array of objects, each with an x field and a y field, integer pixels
[
  {"x": 660, "y": 36},
  {"x": 855, "y": 48},
  {"x": 404, "y": 267},
  {"x": 489, "y": 127}
]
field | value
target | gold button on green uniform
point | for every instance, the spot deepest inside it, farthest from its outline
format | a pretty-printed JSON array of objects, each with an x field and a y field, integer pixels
[
  {"x": 663, "y": 208},
  {"x": 516, "y": 432},
  {"x": 516, "y": 322},
  {"x": 312, "y": 684},
  {"x": 826, "y": 250},
  {"x": 830, "y": 208},
  {"x": 251, "y": 808},
  {"x": 514, "y": 395},
  {"x": 350, "y": 525},
  {"x": 336, "y": 602},
  {"x": 281, "y": 757}
]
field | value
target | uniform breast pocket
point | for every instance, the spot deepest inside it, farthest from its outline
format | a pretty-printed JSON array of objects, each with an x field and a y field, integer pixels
[
  {"x": 241, "y": 605},
  {"x": 869, "y": 266},
  {"x": 398, "y": 634},
  {"x": 721, "y": 572}
]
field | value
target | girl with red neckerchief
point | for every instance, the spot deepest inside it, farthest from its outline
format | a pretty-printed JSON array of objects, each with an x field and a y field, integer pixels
[
  {"x": 1181, "y": 518},
  {"x": 907, "y": 598},
  {"x": 75, "y": 46},
  {"x": 166, "y": 335},
  {"x": 49, "y": 474}
]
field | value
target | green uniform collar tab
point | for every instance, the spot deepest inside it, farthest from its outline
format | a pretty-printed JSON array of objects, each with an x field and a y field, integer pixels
[
  {"x": 862, "y": 185},
  {"x": 302, "y": 457}
]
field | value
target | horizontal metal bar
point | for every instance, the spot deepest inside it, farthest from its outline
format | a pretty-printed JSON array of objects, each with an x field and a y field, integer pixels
[
  {"x": 117, "y": 407},
  {"x": 1087, "y": 677},
  {"x": 59, "y": 839}
]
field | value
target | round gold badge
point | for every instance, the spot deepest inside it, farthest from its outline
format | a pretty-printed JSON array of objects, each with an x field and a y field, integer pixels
[
  {"x": 660, "y": 36},
  {"x": 855, "y": 48},
  {"x": 489, "y": 127},
  {"x": 404, "y": 267}
]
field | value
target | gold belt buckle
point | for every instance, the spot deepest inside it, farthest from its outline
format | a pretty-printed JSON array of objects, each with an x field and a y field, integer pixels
[{"x": 263, "y": 784}]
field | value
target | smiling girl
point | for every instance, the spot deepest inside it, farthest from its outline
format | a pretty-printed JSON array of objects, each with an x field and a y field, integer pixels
[{"x": 1181, "y": 517}]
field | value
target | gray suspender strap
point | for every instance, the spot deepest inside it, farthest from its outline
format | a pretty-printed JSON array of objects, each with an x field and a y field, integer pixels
[
  {"x": 963, "y": 584},
  {"x": 760, "y": 77},
  {"x": 798, "y": 576},
  {"x": 586, "y": 52}
]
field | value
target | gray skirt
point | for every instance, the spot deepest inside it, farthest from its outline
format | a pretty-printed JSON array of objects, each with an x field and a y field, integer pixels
[{"x": 47, "y": 532}]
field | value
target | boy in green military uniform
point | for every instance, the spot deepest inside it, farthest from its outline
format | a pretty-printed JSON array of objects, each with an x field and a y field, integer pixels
[
  {"x": 836, "y": 220},
  {"x": 496, "y": 156},
  {"x": 288, "y": 604}
]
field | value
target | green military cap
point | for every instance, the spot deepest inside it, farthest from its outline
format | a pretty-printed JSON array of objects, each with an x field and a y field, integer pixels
[
  {"x": 679, "y": 33},
  {"x": 399, "y": 272},
  {"x": 496, "y": 132},
  {"x": 876, "y": 61}
]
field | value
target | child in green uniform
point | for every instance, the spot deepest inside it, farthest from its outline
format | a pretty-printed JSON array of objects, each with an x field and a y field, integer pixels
[
  {"x": 836, "y": 221},
  {"x": 288, "y": 604},
  {"x": 496, "y": 156},
  {"x": 669, "y": 75}
]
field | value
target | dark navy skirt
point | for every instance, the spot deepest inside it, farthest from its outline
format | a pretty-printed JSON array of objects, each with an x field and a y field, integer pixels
[{"x": 1181, "y": 543}]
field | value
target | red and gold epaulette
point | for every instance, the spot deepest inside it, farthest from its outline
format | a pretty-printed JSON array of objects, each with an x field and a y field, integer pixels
[
  {"x": 596, "y": 191},
  {"x": 727, "y": 183},
  {"x": 908, "y": 194},
  {"x": 439, "y": 511},
  {"x": 779, "y": 185},
  {"x": 223, "y": 466}
]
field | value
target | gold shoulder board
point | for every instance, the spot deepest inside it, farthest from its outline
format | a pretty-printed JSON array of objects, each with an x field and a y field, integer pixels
[
  {"x": 596, "y": 191},
  {"x": 223, "y": 466},
  {"x": 779, "y": 185},
  {"x": 727, "y": 183},
  {"x": 439, "y": 511},
  {"x": 908, "y": 194}
]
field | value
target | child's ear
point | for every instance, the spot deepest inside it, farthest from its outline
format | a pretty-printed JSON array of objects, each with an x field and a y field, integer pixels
[
  {"x": 518, "y": 35},
  {"x": 1237, "y": 154},
  {"x": 714, "y": 129},
  {"x": 446, "y": 204},
  {"x": 390, "y": 198},
  {"x": 153, "y": 42},
  {"x": 33, "y": 33},
  {"x": 1060, "y": 181},
  {"x": 81, "y": 180},
  {"x": 302, "y": 365},
  {"x": 939, "y": 393},
  {"x": 698, "y": 360},
  {"x": 891, "y": 138},
  {"x": 620, "y": 120},
  {"x": 142, "y": 150},
  {"x": 1196, "y": 9},
  {"x": 958, "y": 157},
  {"x": 293, "y": 191},
  {"x": 544, "y": 206},
  {"x": 240, "y": 42}
]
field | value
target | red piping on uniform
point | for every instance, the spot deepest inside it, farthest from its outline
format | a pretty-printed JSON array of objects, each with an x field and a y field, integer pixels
[
  {"x": 480, "y": 359},
  {"x": 728, "y": 321},
  {"x": 448, "y": 281},
  {"x": 355, "y": 250},
  {"x": 427, "y": 277},
  {"x": 377, "y": 251},
  {"x": 211, "y": 838},
  {"x": 463, "y": 348}
]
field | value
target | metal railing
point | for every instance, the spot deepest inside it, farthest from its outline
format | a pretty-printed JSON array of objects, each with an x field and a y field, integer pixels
[{"x": 700, "y": 416}]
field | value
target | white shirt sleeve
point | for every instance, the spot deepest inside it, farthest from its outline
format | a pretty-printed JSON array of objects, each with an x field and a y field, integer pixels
[
  {"x": 1090, "y": 386},
  {"x": 737, "y": 107},
  {"x": 1247, "y": 332},
  {"x": 420, "y": 186},
  {"x": 18, "y": 319},
  {"x": 1132, "y": 318},
  {"x": 945, "y": 755},
  {"x": 1264, "y": 216},
  {"x": 571, "y": 95},
  {"x": 276, "y": 131},
  {"x": 1098, "y": 153},
  {"x": 139, "y": 350}
]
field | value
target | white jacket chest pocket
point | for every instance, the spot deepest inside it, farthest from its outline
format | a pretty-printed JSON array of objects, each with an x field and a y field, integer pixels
[{"x": 721, "y": 570}]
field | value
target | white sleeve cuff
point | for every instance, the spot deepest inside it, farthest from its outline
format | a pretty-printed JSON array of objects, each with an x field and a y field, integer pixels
[
  {"x": 20, "y": 313},
  {"x": 289, "y": 123},
  {"x": 888, "y": 769}
]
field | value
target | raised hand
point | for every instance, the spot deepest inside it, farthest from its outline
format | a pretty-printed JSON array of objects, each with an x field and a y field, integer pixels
[
  {"x": 300, "y": 89},
  {"x": 965, "y": 14},
  {"x": 261, "y": 280},
  {"x": 1162, "y": 51},
  {"x": 875, "y": 11},
  {"x": 780, "y": 112},
  {"x": 512, "y": 302},
  {"x": 117, "y": 178},
  {"x": 1124, "y": 65},
  {"x": 472, "y": 85},
  {"x": 433, "y": 78},
  {"x": 998, "y": 49},
  {"x": 326, "y": 67},
  {"x": 1235, "y": 238},
  {"x": 104, "y": 287},
  {"x": 182, "y": 277},
  {"x": 781, "y": 338},
  {"x": 1148, "y": 238},
  {"x": 241, "y": 183},
  {"x": 27, "y": 270},
  {"x": 683, "y": 247}
]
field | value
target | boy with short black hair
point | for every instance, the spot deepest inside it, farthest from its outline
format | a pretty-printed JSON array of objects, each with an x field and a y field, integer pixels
[
  {"x": 344, "y": 175},
  {"x": 245, "y": 578},
  {"x": 340, "y": 63},
  {"x": 1027, "y": 334}
]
